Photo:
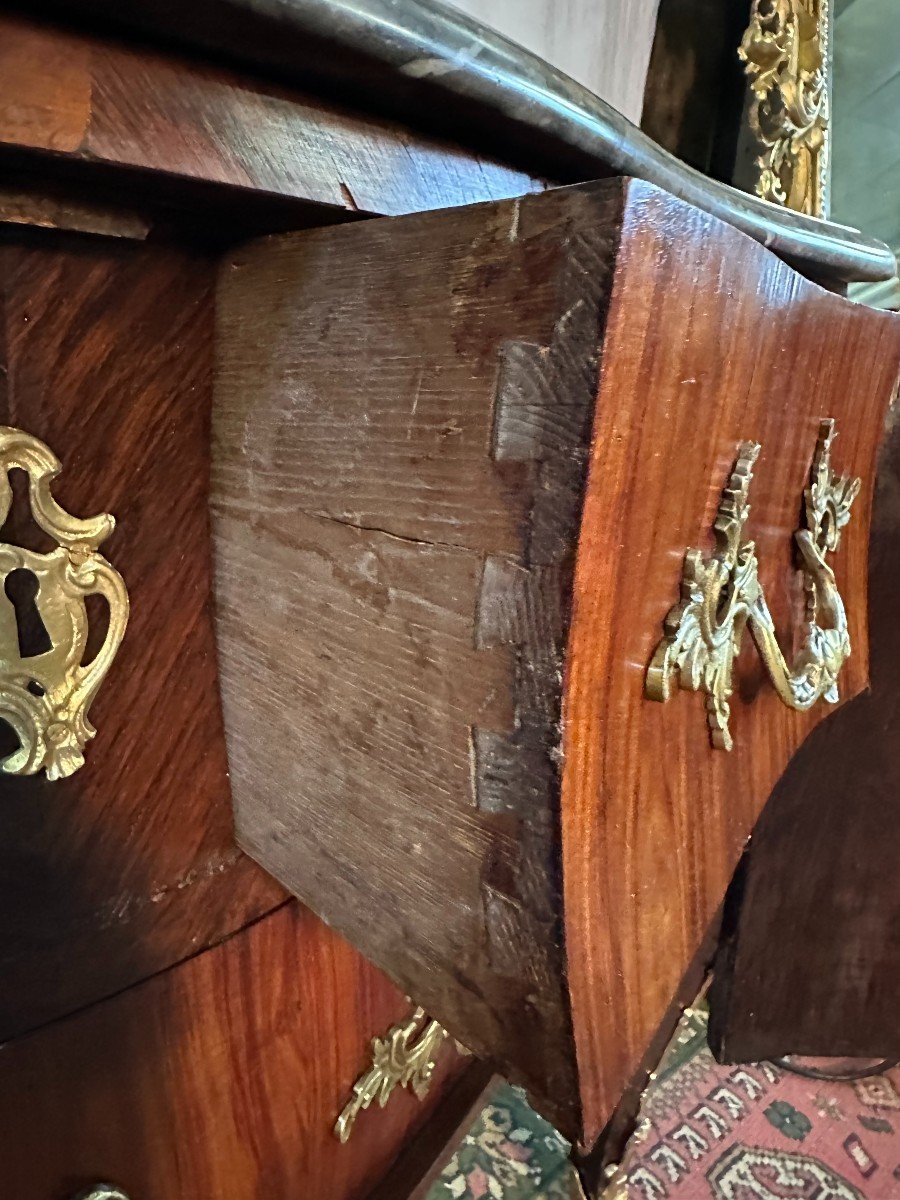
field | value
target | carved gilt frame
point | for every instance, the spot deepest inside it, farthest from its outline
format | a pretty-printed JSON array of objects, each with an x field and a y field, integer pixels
[{"x": 785, "y": 51}]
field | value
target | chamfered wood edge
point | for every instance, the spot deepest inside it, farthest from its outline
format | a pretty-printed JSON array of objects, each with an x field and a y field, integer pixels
[
  {"x": 520, "y": 99},
  {"x": 569, "y": 368}
]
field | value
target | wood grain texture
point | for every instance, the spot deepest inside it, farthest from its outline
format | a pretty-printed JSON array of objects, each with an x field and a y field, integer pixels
[
  {"x": 811, "y": 956},
  {"x": 709, "y": 342},
  {"x": 606, "y": 46},
  {"x": 215, "y": 1079},
  {"x": 402, "y": 425},
  {"x": 130, "y": 864},
  {"x": 436, "y": 69},
  {"x": 45, "y": 87},
  {"x": 424, "y": 488},
  {"x": 114, "y": 106}
]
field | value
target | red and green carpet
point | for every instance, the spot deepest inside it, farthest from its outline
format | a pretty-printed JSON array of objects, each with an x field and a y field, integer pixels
[{"x": 707, "y": 1132}]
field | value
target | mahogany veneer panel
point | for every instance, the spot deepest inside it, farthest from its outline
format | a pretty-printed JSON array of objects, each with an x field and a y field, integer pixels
[
  {"x": 811, "y": 957},
  {"x": 129, "y": 864},
  {"x": 418, "y": 423},
  {"x": 98, "y": 102},
  {"x": 709, "y": 342},
  {"x": 216, "y": 1079}
]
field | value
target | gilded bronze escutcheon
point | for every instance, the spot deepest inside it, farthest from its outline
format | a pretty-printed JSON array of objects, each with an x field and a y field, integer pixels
[{"x": 45, "y": 696}]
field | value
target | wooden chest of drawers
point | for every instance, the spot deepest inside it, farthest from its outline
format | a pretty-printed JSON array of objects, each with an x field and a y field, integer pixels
[{"x": 459, "y": 459}]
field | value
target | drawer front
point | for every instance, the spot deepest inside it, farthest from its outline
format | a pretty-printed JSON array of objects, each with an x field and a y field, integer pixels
[
  {"x": 824, "y": 851},
  {"x": 222, "y": 1077},
  {"x": 129, "y": 864},
  {"x": 719, "y": 363},
  {"x": 459, "y": 460}
]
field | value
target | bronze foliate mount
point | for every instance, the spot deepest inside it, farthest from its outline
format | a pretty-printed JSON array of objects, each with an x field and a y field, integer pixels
[
  {"x": 405, "y": 1057},
  {"x": 45, "y": 696},
  {"x": 721, "y": 595},
  {"x": 102, "y": 1191},
  {"x": 784, "y": 50}
]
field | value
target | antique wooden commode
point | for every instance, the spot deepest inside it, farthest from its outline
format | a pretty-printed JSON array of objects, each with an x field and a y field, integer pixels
[{"x": 483, "y": 553}]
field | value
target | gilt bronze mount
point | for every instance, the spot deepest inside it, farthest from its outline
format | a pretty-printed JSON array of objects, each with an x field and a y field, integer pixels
[
  {"x": 45, "y": 695},
  {"x": 721, "y": 595},
  {"x": 404, "y": 1057},
  {"x": 102, "y": 1191}
]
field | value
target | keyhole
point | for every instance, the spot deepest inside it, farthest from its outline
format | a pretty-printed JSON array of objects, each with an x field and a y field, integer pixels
[
  {"x": 21, "y": 588},
  {"x": 20, "y": 527}
]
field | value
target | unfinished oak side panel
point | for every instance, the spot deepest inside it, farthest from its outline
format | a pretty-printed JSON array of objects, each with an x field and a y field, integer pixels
[
  {"x": 219, "y": 1078},
  {"x": 130, "y": 864},
  {"x": 710, "y": 341},
  {"x": 401, "y": 420},
  {"x": 811, "y": 956}
]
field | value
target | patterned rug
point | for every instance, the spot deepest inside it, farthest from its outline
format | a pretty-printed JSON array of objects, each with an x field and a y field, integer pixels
[
  {"x": 510, "y": 1153},
  {"x": 706, "y": 1132}
]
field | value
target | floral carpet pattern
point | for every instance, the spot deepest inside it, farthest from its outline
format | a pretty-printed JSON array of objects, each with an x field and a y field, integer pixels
[
  {"x": 706, "y": 1132},
  {"x": 510, "y": 1153}
]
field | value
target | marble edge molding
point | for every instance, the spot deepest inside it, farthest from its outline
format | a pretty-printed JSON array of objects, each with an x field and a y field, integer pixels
[{"x": 391, "y": 52}]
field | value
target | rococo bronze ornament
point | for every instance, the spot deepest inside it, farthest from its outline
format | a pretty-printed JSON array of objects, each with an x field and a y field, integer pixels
[
  {"x": 784, "y": 50},
  {"x": 721, "y": 594},
  {"x": 102, "y": 1191},
  {"x": 404, "y": 1057},
  {"x": 45, "y": 694}
]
